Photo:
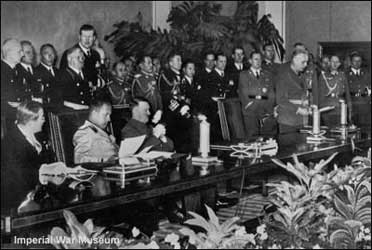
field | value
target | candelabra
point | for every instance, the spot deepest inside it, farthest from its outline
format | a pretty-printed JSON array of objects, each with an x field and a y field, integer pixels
[{"x": 344, "y": 129}]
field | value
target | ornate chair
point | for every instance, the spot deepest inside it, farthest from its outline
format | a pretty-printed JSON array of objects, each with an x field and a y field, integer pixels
[{"x": 62, "y": 126}]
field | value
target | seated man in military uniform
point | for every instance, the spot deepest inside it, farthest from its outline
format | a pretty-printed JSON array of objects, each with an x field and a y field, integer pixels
[{"x": 92, "y": 142}]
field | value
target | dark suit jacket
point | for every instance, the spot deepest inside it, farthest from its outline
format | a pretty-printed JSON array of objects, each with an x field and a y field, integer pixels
[
  {"x": 233, "y": 73},
  {"x": 289, "y": 86},
  {"x": 19, "y": 168},
  {"x": 72, "y": 88},
  {"x": 201, "y": 77},
  {"x": 10, "y": 89},
  {"x": 90, "y": 64},
  {"x": 46, "y": 82},
  {"x": 27, "y": 80},
  {"x": 136, "y": 128}
]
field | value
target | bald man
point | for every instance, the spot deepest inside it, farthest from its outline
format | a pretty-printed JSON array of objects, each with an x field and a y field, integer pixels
[{"x": 291, "y": 94}]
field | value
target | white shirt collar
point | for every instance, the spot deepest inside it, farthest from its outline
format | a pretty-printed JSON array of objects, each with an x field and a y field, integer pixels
[
  {"x": 27, "y": 66},
  {"x": 48, "y": 67},
  {"x": 208, "y": 70},
  {"x": 239, "y": 66},
  {"x": 220, "y": 72},
  {"x": 255, "y": 71},
  {"x": 189, "y": 79},
  {"x": 12, "y": 65},
  {"x": 84, "y": 49},
  {"x": 31, "y": 139},
  {"x": 76, "y": 71},
  {"x": 355, "y": 71}
]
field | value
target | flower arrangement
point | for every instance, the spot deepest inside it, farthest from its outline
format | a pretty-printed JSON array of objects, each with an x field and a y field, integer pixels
[{"x": 318, "y": 210}]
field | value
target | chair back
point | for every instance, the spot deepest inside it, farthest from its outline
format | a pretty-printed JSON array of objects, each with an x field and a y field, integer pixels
[{"x": 62, "y": 127}]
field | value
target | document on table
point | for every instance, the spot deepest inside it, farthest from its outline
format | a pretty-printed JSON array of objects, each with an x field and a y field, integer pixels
[
  {"x": 130, "y": 146},
  {"x": 155, "y": 154}
]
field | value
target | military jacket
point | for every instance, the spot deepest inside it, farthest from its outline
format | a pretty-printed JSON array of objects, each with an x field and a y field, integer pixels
[
  {"x": 291, "y": 93},
  {"x": 359, "y": 84},
  {"x": 144, "y": 85},
  {"x": 332, "y": 88},
  {"x": 73, "y": 88},
  {"x": 93, "y": 144},
  {"x": 120, "y": 91},
  {"x": 45, "y": 83},
  {"x": 256, "y": 94}
]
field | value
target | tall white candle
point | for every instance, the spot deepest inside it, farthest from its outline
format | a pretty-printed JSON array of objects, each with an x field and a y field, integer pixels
[
  {"x": 343, "y": 121},
  {"x": 204, "y": 138},
  {"x": 316, "y": 121}
]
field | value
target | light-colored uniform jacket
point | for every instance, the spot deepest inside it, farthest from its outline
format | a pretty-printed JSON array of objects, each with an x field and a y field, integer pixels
[{"x": 93, "y": 144}]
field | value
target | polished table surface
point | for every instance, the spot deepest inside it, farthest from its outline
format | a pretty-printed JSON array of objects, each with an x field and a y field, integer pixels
[{"x": 177, "y": 178}]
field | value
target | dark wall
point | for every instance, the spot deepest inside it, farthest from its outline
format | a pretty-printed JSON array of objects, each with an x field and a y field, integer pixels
[
  {"x": 59, "y": 22},
  {"x": 327, "y": 21}
]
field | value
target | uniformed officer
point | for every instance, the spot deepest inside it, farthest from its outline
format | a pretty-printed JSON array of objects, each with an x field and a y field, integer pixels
[
  {"x": 209, "y": 63},
  {"x": 87, "y": 36},
  {"x": 10, "y": 89},
  {"x": 268, "y": 63},
  {"x": 45, "y": 74},
  {"x": 26, "y": 70},
  {"x": 176, "y": 109},
  {"x": 257, "y": 97},
  {"x": 144, "y": 84},
  {"x": 71, "y": 82},
  {"x": 120, "y": 90},
  {"x": 360, "y": 90},
  {"x": 291, "y": 94},
  {"x": 215, "y": 87},
  {"x": 92, "y": 142},
  {"x": 310, "y": 78},
  {"x": 234, "y": 69},
  {"x": 333, "y": 87}
]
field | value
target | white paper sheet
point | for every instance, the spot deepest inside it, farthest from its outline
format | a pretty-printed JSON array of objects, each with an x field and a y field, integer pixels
[
  {"x": 155, "y": 154},
  {"x": 130, "y": 146}
]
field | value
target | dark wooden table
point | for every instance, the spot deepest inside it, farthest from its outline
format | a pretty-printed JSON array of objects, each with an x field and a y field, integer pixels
[{"x": 178, "y": 179}]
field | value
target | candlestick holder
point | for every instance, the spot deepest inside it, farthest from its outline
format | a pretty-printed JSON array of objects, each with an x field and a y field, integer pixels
[
  {"x": 316, "y": 134},
  {"x": 344, "y": 130}
]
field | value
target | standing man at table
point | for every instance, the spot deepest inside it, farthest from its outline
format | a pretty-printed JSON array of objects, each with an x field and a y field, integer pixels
[
  {"x": 291, "y": 94},
  {"x": 360, "y": 89},
  {"x": 87, "y": 36},
  {"x": 256, "y": 92}
]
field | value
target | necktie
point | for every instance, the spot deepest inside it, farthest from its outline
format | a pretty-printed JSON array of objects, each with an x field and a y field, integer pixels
[
  {"x": 29, "y": 70},
  {"x": 257, "y": 74},
  {"x": 88, "y": 53},
  {"x": 222, "y": 74},
  {"x": 51, "y": 71}
]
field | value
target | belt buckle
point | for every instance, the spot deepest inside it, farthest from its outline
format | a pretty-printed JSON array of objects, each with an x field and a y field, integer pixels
[
  {"x": 333, "y": 95},
  {"x": 258, "y": 97}
]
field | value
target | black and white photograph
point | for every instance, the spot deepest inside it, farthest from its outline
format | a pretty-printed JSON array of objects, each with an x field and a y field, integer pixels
[{"x": 185, "y": 124}]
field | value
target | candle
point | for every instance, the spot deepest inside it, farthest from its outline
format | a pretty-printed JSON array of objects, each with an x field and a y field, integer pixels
[
  {"x": 316, "y": 120},
  {"x": 343, "y": 113},
  {"x": 123, "y": 176},
  {"x": 204, "y": 138}
]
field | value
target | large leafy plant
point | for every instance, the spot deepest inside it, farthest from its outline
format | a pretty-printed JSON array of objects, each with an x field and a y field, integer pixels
[
  {"x": 329, "y": 209},
  {"x": 197, "y": 26}
]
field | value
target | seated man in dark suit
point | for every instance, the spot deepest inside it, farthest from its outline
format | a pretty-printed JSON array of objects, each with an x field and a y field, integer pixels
[
  {"x": 45, "y": 74},
  {"x": 87, "y": 36},
  {"x": 138, "y": 126}
]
